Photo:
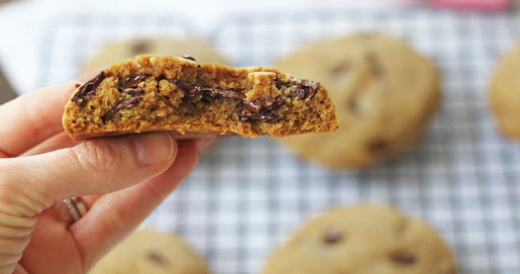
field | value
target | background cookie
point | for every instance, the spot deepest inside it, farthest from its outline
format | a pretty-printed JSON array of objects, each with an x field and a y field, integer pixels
[
  {"x": 148, "y": 252},
  {"x": 505, "y": 93},
  {"x": 384, "y": 93},
  {"x": 363, "y": 240},
  {"x": 119, "y": 51}
]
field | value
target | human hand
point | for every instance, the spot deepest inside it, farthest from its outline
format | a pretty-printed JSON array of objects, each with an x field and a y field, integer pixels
[{"x": 121, "y": 181}]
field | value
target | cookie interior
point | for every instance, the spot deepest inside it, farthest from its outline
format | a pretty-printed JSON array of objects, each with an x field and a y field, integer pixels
[{"x": 177, "y": 94}]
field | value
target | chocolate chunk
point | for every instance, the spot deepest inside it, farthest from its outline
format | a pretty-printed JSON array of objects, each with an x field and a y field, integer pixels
[
  {"x": 305, "y": 89},
  {"x": 403, "y": 257},
  {"x": 187, "y": 57},
  {"x": 379, "y": 146},
  {"x": 89, "y": 88},
  {"x": 157, "y": 258},
  {"x": 333, "y": 236},
  {"x": 210, "y": 92},
  {"x": 123, "y": 104},
  {"x": 130, "y": 85},
  {"x": 140, "y": 47},
  {"x": 263, "y": 104}
]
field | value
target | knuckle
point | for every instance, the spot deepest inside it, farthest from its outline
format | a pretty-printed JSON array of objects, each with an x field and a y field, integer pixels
[{"x": 96, "y": 155}]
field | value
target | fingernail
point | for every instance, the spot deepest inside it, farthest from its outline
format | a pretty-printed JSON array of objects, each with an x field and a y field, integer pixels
[{"x": 154, "y": 148}]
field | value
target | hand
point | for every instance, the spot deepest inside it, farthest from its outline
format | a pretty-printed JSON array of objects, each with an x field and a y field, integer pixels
[{"x": 121, "y": 181}]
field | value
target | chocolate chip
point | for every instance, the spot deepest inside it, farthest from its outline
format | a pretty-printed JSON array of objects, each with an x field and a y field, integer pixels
[
  {"x": 157, "y": 258},
  {"x": 130, "y": 85},
  {"x": 333, "y": 236},
  {"x": 187, "y": 57},
  {"x": 140, "y": 47},
  {"x": 305, "y": 89},
  {"x": 123, "y": 104},
  {"x": 77, "y": 85},
  {"x": 89, "y": 88},
  {"x": 403, "y": 257},
  {"x": 378, "y": 146}
]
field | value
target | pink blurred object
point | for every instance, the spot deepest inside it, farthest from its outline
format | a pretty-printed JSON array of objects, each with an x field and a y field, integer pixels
[{"x": 486, "y": 5}]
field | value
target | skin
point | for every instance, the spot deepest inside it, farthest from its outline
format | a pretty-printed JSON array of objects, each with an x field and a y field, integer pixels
[{"x": 121, "y": 180}]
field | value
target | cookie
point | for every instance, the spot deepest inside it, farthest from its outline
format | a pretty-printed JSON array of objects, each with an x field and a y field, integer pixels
[
  {"x": 149, "y": 252},
  {"x": 363, "y": 239},
  {"x": 504, "y": 95},
  {"x": 152, "y": 93},
  {"x": 384, "y": 93},
  {"x": 120, "y": 51}
]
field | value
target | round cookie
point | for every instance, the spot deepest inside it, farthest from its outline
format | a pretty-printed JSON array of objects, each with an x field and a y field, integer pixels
[
  {"x": 119, "y": 51},
  {"x": 363, "y": 240},
  {"x": 504, "y": 94},
  {"x": 148, "y": 252},
  {"x": 384, "y": 93}
]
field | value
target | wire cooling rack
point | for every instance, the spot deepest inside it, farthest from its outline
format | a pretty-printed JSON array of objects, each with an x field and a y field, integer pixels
[{"x": 248, "y": 195}]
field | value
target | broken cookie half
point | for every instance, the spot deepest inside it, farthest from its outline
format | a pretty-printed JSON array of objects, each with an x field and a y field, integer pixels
[{"x": 151, "y": 93}]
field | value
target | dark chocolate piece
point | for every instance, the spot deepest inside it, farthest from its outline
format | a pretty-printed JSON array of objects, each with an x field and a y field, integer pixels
[
  {"x": 157, "y": 258},
  {"x": 304, "y": 88},
  {"x": 89, "y": 88},
  {"x": 130, "y": 85},
  {"x": 140, "y": 47},
  {"x": 333, "y": 236},
  {"x": 187, "y": 57},
  {"x": 123, "y": 104},
  {"x": 263, "y": 104},
  {"x": 403, "y": 257}
]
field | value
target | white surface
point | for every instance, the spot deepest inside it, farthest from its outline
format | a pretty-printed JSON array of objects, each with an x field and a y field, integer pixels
[{"x": 247, "y": 195}]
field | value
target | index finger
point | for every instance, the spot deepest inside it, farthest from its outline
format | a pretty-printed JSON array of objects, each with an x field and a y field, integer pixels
[
  {"x": 33, "y": 117},
  {"x": 36, "y": 116}
]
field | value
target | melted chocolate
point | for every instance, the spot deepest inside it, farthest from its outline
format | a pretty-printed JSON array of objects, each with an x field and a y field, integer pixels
[
  {"x": 123, "y": 104},
  {"x": 89, "y": 88},
  {"x": 304, "y": 88},
  {"x": 255, "y": 110},
  {"x": 248, "y": 110},
  {"x": 130, "y": 85}
]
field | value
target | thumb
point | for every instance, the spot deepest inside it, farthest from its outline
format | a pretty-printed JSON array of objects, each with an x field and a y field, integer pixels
[{"x": 94, "y": 167}]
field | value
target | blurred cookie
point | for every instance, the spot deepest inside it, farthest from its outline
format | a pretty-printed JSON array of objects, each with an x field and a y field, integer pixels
[
  {"x": 148, "y": 252},
  {"x": 384, "y": 93},
  {"x": 120, "y": 51},
  {"x": 360, "y": 240},
  {"x": 504, "y": 93}
]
